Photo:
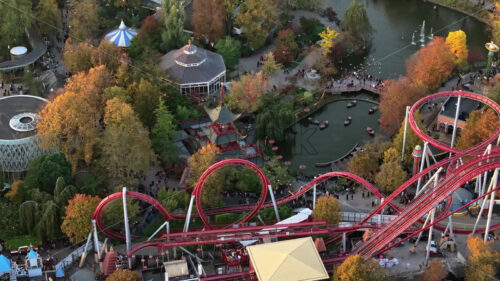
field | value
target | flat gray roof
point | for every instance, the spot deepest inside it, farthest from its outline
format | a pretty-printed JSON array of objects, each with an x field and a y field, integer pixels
[{"x": 13, "y": 105}]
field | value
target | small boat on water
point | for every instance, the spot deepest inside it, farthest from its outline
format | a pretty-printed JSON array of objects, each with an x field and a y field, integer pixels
[
  {"x": 351, "y": 103},
  {"x": 315, "y": 121},
  {"x": 370, "y": 131},
  {"x": 347, "y": 121},
  {"x": 372, "y": 109},
  {"x": 324, "y": 125}
]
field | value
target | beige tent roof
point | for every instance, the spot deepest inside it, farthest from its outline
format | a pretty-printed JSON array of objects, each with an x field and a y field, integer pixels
[{"x": 291, "y": 260}]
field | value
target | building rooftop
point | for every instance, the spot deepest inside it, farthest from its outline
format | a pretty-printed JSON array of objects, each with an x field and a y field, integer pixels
[
  {"x": 18, "y": 116},
  {"x": 466, "y": 107},
  {"x": 221, "y": 115},
  {"x": 192, "y": 65}
]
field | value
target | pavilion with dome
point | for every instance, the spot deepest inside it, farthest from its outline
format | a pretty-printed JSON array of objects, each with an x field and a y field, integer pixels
[{"x": 198, "y": 72}]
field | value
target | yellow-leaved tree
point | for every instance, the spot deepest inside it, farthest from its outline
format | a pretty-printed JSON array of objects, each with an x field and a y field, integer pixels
[
  {"x": 327, "y": 209},
  {"x": 357, "y": 268},
  {"x": 481, "y": 260},
  {"x": 457, "y": 42},
  {"x": 327, "y": 37}
]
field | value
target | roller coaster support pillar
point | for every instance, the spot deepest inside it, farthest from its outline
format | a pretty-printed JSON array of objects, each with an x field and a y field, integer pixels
[
  {"x": 188, "y": 216},
  {"x": 422, "y": 163},
  {"x": 270, "y": 188},
  {"x": 165, "y": 224},
  {"x": 494, "y": 179},
  {"x": 450, "y": 221},
  {"x": 127, "y": 227},
  {"x": 483, "y": 203},
  {"x": 404, "y": 135},
  {"x": 96, "y": 241},
  {"x": 432, "y": 179},
  {"x": 457, "y": 112},
  {"x": 425, "y": 224},
  {"x": 84, "y": 254},
  {"x": 428, "y": 248},
  {"x": 344, "y": 242},
  {"x": 314, "y": 196}
]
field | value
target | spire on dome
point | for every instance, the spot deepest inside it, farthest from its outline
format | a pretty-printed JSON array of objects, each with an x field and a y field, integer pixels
[{"x": 122, "y": 25}]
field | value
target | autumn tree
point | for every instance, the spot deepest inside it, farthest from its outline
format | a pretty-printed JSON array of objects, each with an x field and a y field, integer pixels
[
  {"x": 247, "y": 93},
  {"x": 393, "y": 101},
  {"x": 431, "y": 65},
  {"x": 480, "y": 126},
  {"x": 209, "y": 19},
  {"x": 198, "y": 163},
  {"x": 49, "y": 17},
  {"x": 257, "y": 11},
  {"x": 144, "y": 96},
  {"x": 230, "y": 50},
  {"x": 173, "y": 35},
  {"x": 107, "y": 54},
  {"x": 435, "y": 271},
  {"x": 327, "y": 209},
  {"x": 391, "y": 174},
  {"x": 71, "y": 122},
  {"x": 77, "y": 222},
  {"x": 283, "y": 56},
  {"x": 457, "y": 42},
  {"x": 365, "y": 163},
  {"x": 78, "y": 57},
  {"x": 494, "y": 90},
  {"x": 84, "y": 19},
  {"x": 124, "y": 275},
  {"x": 125, "y": 145},
  {"x": 356, "y": 22},
  {"x": 327, "y": 37},
  {"x": 270, "y": 65},
  {"x": 357, "y": 268},
  {"x": 481, "y": 260},
  {"x": 286, "y": 39},
  {"x": 495, "y": 31},
  {"x": 163, "y": 134}
]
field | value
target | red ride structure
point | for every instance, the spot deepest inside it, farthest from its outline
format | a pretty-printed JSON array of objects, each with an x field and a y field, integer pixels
[{"x": 445, "y": 177}]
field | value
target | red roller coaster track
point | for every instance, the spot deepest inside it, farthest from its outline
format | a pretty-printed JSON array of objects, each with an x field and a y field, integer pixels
[{"x": 455, "y": 176}]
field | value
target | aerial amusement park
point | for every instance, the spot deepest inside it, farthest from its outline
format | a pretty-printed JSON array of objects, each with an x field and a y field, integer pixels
[{"x": 248, "y": 140}]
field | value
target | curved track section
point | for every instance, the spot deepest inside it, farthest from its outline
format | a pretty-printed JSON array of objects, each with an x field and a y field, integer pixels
[
  {"x": 118, "y": 196},
  {"x": 443, "y": 146}
]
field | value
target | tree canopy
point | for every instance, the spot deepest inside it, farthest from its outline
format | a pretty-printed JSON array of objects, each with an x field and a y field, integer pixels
[
  {"x": 77, "y": 222},
  {"x": 435, "y": 271},
  {"x": 481, "y": 260},
  {"x": 84, "y": 15},
  {"x": 49, "y": 17},
  {"x": 46, "y": 169},
  {"x": 246, "y": 95},
  {"x": 209, "y": 18},
  {"x": 274, "y": 118},
  {"x": 480, "y": 126},
  {"x": 391, "y": 174},
  {"x": 163, "y": 134},
  {"x": 230, "y": 50},
  {"x": 357, "y": 268},
  {"x": 263, "y": 12},
  {"x": 457, "y": 42},
  {"x": 124, "y": 275},
  {"x": 16, "y": 16},
  {"x": 327, "y": 37},
  {"x": 356, "y": 22},
  {"x": 173, "y": 35},
  {"x": 327, "y": 209}
]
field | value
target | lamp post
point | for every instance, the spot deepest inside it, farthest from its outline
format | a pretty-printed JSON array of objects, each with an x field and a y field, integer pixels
[{"x": 492, "y": 49}]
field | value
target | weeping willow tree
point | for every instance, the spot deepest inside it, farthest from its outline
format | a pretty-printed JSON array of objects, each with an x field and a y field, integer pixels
[
  {"x": 41, "y": 216},
  {"x": 356, "y": 22}
]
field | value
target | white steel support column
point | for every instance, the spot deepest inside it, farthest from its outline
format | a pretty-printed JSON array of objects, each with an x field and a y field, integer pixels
[
  {"x": 96, "y": 241},
  {"x": 158, "y": 230},
  {"x": 450, "y": 222},
  {"x": 84, "y": 254},
  {"x": 270, "y": 188},
  {"x": 433, "y": 179},
  {"x": 430, "y": 236},
  {"x": 407, "y": 113},
  {"x": 344, "y": 241},
  {"x": 425, "y": 224},
  {"x": 455, "y": 122},
  {"x": 483, "y": 203},
  {"x": 422, "y": 163},
  {"x": 188, "y": 216},
  {"x": 128, "y": 239},
  {"x": 494, "y": 180},
  {"x": 314, "y": 196}
]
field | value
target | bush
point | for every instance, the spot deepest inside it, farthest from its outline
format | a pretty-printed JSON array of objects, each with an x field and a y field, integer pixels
[
  {"x": 23, "y": 240},
  {"x": 284, "y": 211},
  {"x": 228, "y": 218},
  {"x": 311, "y": 29}
]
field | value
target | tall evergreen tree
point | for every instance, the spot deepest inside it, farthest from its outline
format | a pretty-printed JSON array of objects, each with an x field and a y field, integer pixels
[
  {"x": 173, "y": 20},
  {"x": 84, "y": 19},
  {"x": 163, "y": 133},
  {"x": 49, "y": 17}
]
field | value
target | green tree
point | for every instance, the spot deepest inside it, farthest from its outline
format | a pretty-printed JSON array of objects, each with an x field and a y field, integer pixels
[
  {"x": 263, "y": 12},
  {"x": 145, "y": 96},
  {"x": 163, "y": 134},
  {"x": 172, "y": 199},
  {"x": 391, "y": 174},
  {"x": 268, "y": 214},
  {"x": 356, "y": 22},
  {"x": 124, "y": 3},
  {"x": 277, "y": 173},
  {"x": 77, "y": 222},
  {"x": 49, "y": 17},
  {"x": 270, "y": 65},
  {"x": 113, "y": 214},
  {"x": 230, "y": 50},
  {"x": 327, "y": 209},
  {"x": 126, "y": 148},
  {"x": 46, "y": 169},
  {"x": 35, "y": 87},
  {"x": 357, "y": 268},
  {"x": 84, "y": 19},
  {"x": 494, "y": 91},
  {"x": 16, "y": 16},
  {"x": 276, "y": 116},
  {"x": 173, "y": 35},
  {"x": 230, "y": 7},
  {"x": 9, "y": 220}
]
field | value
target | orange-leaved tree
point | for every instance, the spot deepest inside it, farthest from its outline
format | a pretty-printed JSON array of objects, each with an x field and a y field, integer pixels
[
  {"x": 327, "y": 209},
  {"x": 481, "y": 260},
  {"x": 124, "y": 275},
  {"x": 435, "y": 271},
  {"x": 480, "y": 126},
  {"x": 393, "y": 101},
  {"x": 246, "y": 94},
  {"x": 213, "y": 13},
  {"x": 457, "y": 42},
  {"x": 357, "y": 268},
  {"x": 431, "y": 65},
  {"x": 77, "y": 222}
]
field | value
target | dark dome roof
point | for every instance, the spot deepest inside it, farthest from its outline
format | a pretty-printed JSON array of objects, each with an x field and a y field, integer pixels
[{"x": 190, "y": 56}]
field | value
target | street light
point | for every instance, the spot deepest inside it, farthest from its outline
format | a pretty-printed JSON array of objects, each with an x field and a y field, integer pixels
[{"x": 492, "y": 49}]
